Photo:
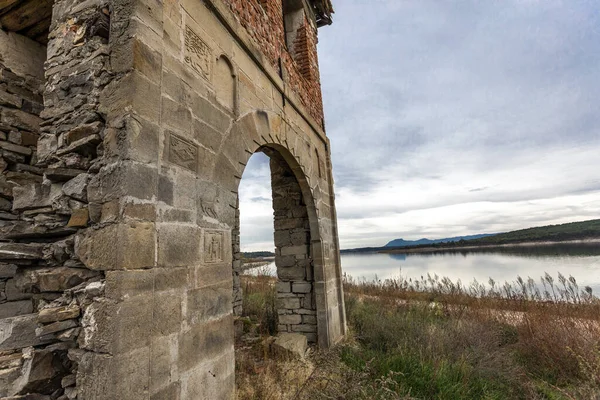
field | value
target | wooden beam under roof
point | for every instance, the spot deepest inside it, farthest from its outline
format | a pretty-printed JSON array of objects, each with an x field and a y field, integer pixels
[
  {"x": 5, "y": 4},
  {"x": 30, "y": 18}
]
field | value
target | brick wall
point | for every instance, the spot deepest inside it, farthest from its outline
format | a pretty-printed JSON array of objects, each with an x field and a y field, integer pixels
[{"x": 263, "y": 20}]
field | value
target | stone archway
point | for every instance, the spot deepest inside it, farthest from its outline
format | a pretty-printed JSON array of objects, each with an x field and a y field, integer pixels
[
  {"x": 135, "y": 184},
  {"x": 303, "y": 258}
]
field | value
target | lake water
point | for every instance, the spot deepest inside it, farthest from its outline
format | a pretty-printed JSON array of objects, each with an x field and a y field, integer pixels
[
  {"x": 580, "y": 261},
  {"x": 502, "y": 265}
]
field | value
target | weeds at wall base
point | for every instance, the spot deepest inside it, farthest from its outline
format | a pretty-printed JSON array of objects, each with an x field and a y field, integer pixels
[{"x": 403, "y": 345}]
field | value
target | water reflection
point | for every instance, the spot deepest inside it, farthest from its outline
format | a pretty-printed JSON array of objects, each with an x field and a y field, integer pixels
[{"x": 501, "y": 264}]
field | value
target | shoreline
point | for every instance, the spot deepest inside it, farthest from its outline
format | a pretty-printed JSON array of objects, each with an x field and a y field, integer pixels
[{"x": 491, "y": 246}]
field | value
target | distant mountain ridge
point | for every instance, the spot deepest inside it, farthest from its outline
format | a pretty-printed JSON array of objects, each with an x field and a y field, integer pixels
[{"x": 424, "y": 241}]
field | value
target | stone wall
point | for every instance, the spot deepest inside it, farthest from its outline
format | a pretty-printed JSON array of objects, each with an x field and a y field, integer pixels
[
  {"x": 295, "y": 270},
  {"x": 237, "y": 264},
  {"x": 263, "y": 19},
  {"x": 51, "y": 140},
  {"x": 119, "y": 201}
]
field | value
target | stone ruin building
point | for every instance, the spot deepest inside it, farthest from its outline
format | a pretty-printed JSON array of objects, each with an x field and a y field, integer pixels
[{"x": 125, "y": 127}]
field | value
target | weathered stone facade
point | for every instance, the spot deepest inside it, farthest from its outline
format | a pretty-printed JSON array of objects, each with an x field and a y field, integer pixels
[{"x": 125, "y": 129}]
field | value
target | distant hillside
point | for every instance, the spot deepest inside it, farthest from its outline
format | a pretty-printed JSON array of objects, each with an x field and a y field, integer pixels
[
  {"x": 550, "y": 233},
  {"x": 421, "y": 242},
  {"x": 257, "y": 254},
  {"x": 554, "y": 233}
]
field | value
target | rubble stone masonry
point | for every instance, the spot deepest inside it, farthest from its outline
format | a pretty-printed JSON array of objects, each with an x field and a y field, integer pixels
[{"x": 125, "y": 128}]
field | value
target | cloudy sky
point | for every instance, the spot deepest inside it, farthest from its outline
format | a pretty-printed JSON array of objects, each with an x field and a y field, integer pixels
[{"x": 453, "y": 117}]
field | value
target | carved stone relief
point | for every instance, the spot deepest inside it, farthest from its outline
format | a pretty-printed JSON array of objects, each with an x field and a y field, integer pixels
[
  {"x": 326, "y": 251},
  {"x": 208, "y": 208},
  {"x": 198, "y": 55},
  {"x": 183, "y": 153},
  {"x": 213, "y": 247}
]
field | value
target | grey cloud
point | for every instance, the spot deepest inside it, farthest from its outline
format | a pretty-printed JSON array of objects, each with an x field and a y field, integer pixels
[
  {"x": 260, "y": 199},
  {"x": 491, "y": 76},
  {"x": 469, "y": 102}
]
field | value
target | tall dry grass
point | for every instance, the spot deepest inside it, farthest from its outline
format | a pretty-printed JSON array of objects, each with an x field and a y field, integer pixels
[{"x": 437, "y": 339}]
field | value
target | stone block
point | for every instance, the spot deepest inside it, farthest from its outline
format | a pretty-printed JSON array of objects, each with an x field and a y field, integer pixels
[
  {"x": 35, "y": 195},
  {"x": 236, "y": 150},
  {"x": 300, "y": 238},
  {"x": 213, "y": 378},
  {"x": 294, "y": 250},
  {"x": 165, "y": 189},
  {"x": 301, "y": 287},
  {"x": 41, "y": 372},
  {"x": 289, "y": 303},
  {"x": 15, "y": 308},
  {"x": 8, "y": 99},
  {"x": 305, "y": 311},
  {"x": 283, "y": 287},
  {"x": 309, "y": 319},
  {"x": 21, "y": 251},
  {"x": 142, "y": 212},
  {"x": 9, "y": 373},
  {"x": 291, "y": 273},
  {"x": 179, "y": 245},
  {"x": 19, "y": 332},
  {"x": 163, "y": 370},
  {"x": 111, "y": 327},
  {"x": 135, "y": 139},
  {"x": 211, "y": 274},
  {"x": 82, "y": 131},
  {"x": 46, "y": 147},
  {"x": 176, "y": 115},
  {"x": 107, "y": 377},
  {"x": 227, "y": 175},
  {"x": 58, "y": 279},
  {"x": 174, "y": 86},
  {"x": 290, "y": 345},
  {"x": 304, "y": 328},
  {"x": 209, "y": 302},
  {"x": 210, "y": 113},
  {"x": 77, "y": 187},
  {"x": 121, "y": 179},
  {"x": 166, "y": 313},
  {"x": 146, "y": 61},
  {"x": 69, "y": 380},
  {"x": 119, "y": 246},
  {"x": 290, "y": 223},
  {"x": 285, "y": 261},
  {"x": 170, "y": 392},
  {"x": 121, "y": 285},
  {"x": 172, "y": 278},
  {"x": 282, "y": 238},
  {"x": 22, "y": 55},
  {"x": 62, "y": 174},
  {"x": 79, "y": 218},
  {"x": 206, "y": 135},
  {"x": 20, "y": 119},
  {"x": 133, "y": 92},
  {"x": 13, "y": 293},
  {"x": 26, "y": 151},
  {"x": 290, "y": 319},
  {"x": 184, "y": 191},
  {"x": 54, "y": 314},
  {"x": 211, "y": 339},
  {"x": 55, "y": 327},
  {"x": 307, "y": 302}
]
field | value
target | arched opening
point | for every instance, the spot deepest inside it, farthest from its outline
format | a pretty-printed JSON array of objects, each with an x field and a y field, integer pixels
[
  {"x": 269, "y": 133},
  {"x": 292, "y": 286}
]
